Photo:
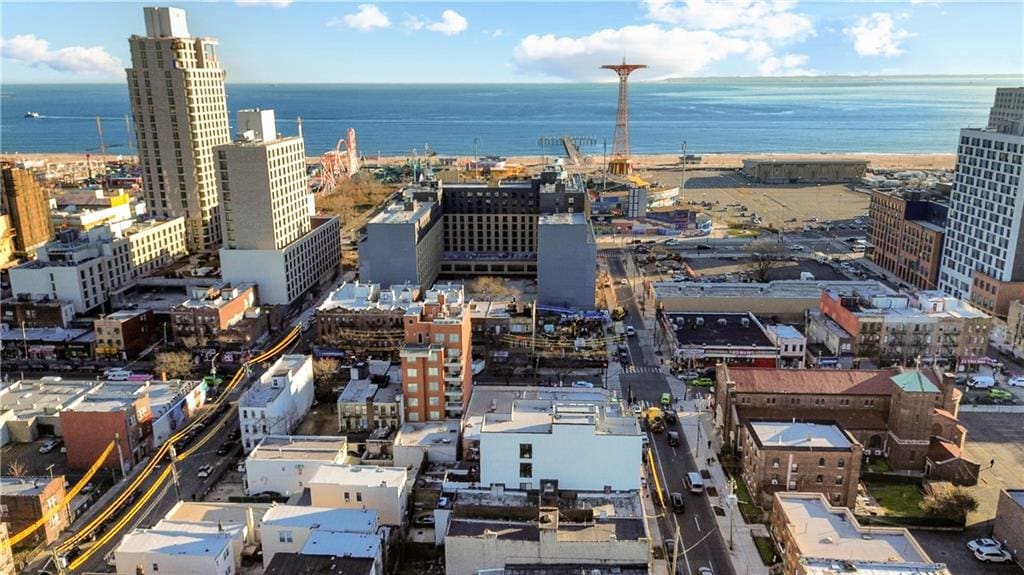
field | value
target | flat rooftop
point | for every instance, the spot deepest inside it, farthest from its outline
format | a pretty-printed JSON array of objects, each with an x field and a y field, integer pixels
[
  {"x": 211, "y": 511},
  {"x": 428, "y": 434},
  {"x": 24, "y": 486},
  {"x": 303, "y": 564},
  {"x": 338, "y": 474},
  {"x": 623, "y": 504},
  {"x": 785, "y": 331},
  {"x": 47, "y": 334},
  {"x": 1016, "y": 495},
  {"x": 566, "y": 218},
  {"x": 814, "y": 566},
  {"x": 719, "y": 329},
  {"x": 543, "y": 416},
  {"x": 356, "y": 296},
  {"x": 604, "y": 531},
  {"x": 825, "y": 532},
  {"x": 783, "y": 289},
  {"x": 328, "y": 518},
  {"x": 788, "y": 434},
  {"x": 174, "y": 543},
  {"x": 299, "y": 447},
  {"x": 335, "y": 544},
  {"x": 357, "y": 391},
  {"x": 397, "y": 213},
  {"x": 35, "y": 397}
]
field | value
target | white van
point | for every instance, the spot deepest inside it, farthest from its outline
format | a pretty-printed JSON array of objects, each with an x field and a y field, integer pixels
[
  {"x": 981, "y": 381},
  {"x": 694, "y": 483},
  {"x": 117, "y": 374}
]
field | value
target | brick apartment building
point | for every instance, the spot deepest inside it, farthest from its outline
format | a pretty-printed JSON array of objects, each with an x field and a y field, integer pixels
[
  {"x": 211, "y": 310},
  {"x": 906, "y": 231},
  {"x": 25, "y": 500},
  {"x": 908, "y": 416},
  {"x": 118, "y": 411},
  {"x": 793, "y": 455},
  {"x": 29, "y": 209},
  {"x": 437, "y": 378},
  {"x": 365, "y": 318},
  {"x": 33, "y": 311},
  {"x": 125, "y": 334}
]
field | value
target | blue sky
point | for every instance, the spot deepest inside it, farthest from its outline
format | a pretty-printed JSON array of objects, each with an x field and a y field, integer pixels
[{"x": 358, "y": 42}]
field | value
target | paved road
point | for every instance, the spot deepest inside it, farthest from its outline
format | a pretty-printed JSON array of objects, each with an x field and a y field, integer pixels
[{"x": 645, "y": 383}]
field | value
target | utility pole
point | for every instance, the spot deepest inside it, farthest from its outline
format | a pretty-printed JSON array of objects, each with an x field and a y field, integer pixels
[
  {"x": 24, "y": 339},
  {"x": 682, "y": 185},
  {"x": 731, "y": 501},
  {"x": 120, "y": 454},
  {"x": 174, "y": 472},
  {"x": 675, "y": 546}
]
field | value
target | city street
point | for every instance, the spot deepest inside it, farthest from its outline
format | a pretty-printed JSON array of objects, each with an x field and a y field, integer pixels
[{"x": 700, "y": 537}]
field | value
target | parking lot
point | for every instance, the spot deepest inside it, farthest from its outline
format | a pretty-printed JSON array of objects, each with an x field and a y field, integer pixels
[
  {"x": 775, "y": 205},
  {"x": 25, "y": 457},
  {"x": 735, "y": 268}
]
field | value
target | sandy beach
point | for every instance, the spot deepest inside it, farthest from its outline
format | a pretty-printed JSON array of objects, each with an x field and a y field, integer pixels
[{"x": 649, "y": 162}]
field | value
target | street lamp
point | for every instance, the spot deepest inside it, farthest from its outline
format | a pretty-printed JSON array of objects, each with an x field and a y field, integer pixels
[{"x": 731, "y": 500}]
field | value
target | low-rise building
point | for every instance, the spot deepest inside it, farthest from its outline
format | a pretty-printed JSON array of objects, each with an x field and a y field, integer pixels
[
  {"x": 499, "y": 530},
  {"x": 85, "y": 268},
  {"x": 1008, "y": 527},
  {"x": 301, "y": 564},
  {"x": 125, "y": 334},
  {"x": 433, "y": 442},
  {"x": 276, "y": 404},
  {"x": 47, "y": 343},
  {"x": 35, "y": 405},
  {"x": 787, "y": 300},
  {"x": 790, "y": 455},
  {"x": 41, "y": 312},
  {"x": 365, "y": 406},
  {"x": 791, "y": 343},
  {"x": 175, "y": 553},
  {"x": 283, "y": 464},
  {"x": 173, "y": 403},
  {"x": 527, "y": 447},
  {"x": 708, "y": 339},
  {"x": 317, "y": 530},
  {"x": 815, "y": 538},
  {"x": 927, "y": 327},
  {"x": 385, "y": 489},
  {"x": 901, "y": 414},
  {"x": 364, "y": 319},
  {"x": 26, "y": 500},
  {"x": 209, "y": 311},
  {"x": 804, "y": 170},
  {"x": 108, "y": 413}
]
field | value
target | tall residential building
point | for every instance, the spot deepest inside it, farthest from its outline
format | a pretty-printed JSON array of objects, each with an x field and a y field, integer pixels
[
  {"x": 271, "y": 237},
  {"x": 907, "y": 230},
  {"x": 176, "y": 87},
  {"x": 26, "y": 205},
  {"x": 983, "y": 259},
  {"x": 437, "y": 379}
]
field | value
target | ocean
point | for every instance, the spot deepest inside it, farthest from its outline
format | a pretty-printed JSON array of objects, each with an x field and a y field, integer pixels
[{"x": 723, "y": 115}]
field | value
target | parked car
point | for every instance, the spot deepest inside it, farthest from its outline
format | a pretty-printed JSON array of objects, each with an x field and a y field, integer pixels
[
  {"x": 117, "y": 374},
  {"x": 1000, "y": 395},
  {"x": 205, "y": 471},
  {"x": 666, "y": 398},
  {"x": 630, "y": 331},
  {"x": 705, "y": 570},
  {"x": 992, "y": 555},
  {"x": 1015, "y": 381},
  {"x": 983, "y": 543},
  {"x": 673, "y": 438},
  {"x": 678, "y": 504},
  {"x": 585, "y": 384},
  {"x": 670, "y": 417},
  {"x": 225, "y": 448},
  {"x": 49, "y": 445},
  {"x": 703, "y": 382},
  {"x": 981, "y": 382}
]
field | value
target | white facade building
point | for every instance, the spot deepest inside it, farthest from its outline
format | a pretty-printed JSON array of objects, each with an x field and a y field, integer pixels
[
  {"x": 543, "y": 440},
  {"x": 271, "y": 237},
  {"x": 284, "y": 463},
  {"x": 984, "y": 241},
  {"x": 278, "y": 402},
  {"x": 791, "y": 343},
  {"x": 289, "y": 528},
  {"x": 84, "y": 268},
  {"x": 385, "y": 489},
  {"x": 176, "y": 87},
  {"x": 175, "y": 553}
]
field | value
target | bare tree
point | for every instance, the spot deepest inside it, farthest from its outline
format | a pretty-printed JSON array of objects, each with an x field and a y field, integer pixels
[
  {"x": 17, "y": 468},
  {"x": 176, "y": 364},
  {"x": 325, "y": 367},
  {"x": 764, "y": 256},
  {"x": 492, "y": 288}
]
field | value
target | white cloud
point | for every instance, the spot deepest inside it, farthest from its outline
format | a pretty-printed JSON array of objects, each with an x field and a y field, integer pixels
[
  {"x": 451, "y": 23},
  {"x": 669, "y": 53},
  {"x": 413, "y": 23},
  {"x": 34, "y": 51},
  {"x": 877, "y": 35},
  {"x": 785, "y": 65},
  {"x": 368, "y": 17},
  {"x": 271, "y": 3},
  {"x": 766, "y": 19},
  {"x": 496, "y": 33}
]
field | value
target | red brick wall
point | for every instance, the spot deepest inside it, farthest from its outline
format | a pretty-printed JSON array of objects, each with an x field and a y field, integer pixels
[
  {"x": 87, "y": 434},
  {"x": 831, "y": 308}
]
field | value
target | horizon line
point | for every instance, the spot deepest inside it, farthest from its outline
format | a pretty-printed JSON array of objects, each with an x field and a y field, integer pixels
[{"x": 559, "y": 81}]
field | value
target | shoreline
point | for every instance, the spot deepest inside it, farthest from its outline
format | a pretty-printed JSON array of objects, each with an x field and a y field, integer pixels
[{"x": 642, "y": 162}]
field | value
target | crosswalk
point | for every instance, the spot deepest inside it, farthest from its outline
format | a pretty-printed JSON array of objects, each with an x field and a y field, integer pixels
[{"x": 641, "y": 369}]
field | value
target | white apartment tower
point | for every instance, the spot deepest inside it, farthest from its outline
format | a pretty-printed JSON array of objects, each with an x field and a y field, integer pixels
[
  {"x": 176, "y": 87},
  {"x": 262, "y": 182},
  {"x": 983, "y": 255}
]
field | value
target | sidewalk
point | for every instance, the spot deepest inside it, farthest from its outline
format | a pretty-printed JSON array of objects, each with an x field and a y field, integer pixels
[{"x": 744, "y": 555}]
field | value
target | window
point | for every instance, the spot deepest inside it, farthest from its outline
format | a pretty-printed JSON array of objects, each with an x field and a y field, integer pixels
[
  {"x": 525, "y": 470},
  {"x": 411, "y": 372},
  {"x": 286, "y": 536},
  {"x": 453, "y": 338},
  {"x": 432, "y": 371},
  {"x": 819, "y": 479},
  {"x": 821, "y": 462},
  {"x": 348, "y": 497},
  {"x": 841, "y": 463},
  {"x": 525, "y": 451},
  {"x": 156, "y": 567},
  {"x": 839, "y": 479},
  {"x": 359, "y": 496},
  {"x": 775, "y": 462}
]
